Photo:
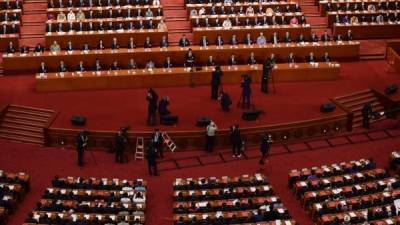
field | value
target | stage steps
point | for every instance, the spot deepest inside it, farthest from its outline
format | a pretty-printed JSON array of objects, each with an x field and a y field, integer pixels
[
  {"x": 25, "y": 124},
  {"x": 33, "y": 20},
  {"x": 355, "y": 101}
]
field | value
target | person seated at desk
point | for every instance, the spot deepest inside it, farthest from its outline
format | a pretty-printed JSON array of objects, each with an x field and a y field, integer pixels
[
  {"x": 311, "y": 58},
  {"x": 252, "y": 59},
  {"x": 42, "y": 68},
  {"x": 202, "y": 11},
  {"x": 261, "y": 40},
  {"x": 55, "y": 47},
  {"x": 80, "y": 15},
  {"x": 62, "y": 68},
  {"x": 61, "y": 17},
  {"x": 250, "y": 10},
  {"x": 189, "y": 58},
  {"x": 294, "y": 21},
  {"x": 149, "y": 13},
  {"x": 314, "y": 37},
  {"x": 210, "y": 61},
  {"x": 80, "y": 67},
  {"x": 24, "y": 49},
  {"x": 193, "y": 12},
  {"x": 236, "y": 22},
  {"x": 161, "y": 25},
  {"x": 287, "y": 38},
  {"x": 97, "y": 66},
  {"x": 100, "y": 45},
  {"x": 184, "y": 42},
  {"x": 222, "y": 10},
  {"x": 348, "y": 36},
  {"x": 164, "y": 42},
  {"x": 248, "y": 40},
  {"x": 325, "y": 37},
  {"x": 115, "y": 66},
  {"x": 233, "y": 40},
  {"x": 85, "y": 47},
  {"x": 197, "y": 22},
  {"x": 339, "y": 38},
  {"x": 380, "y": 19},
  {"x": 132, "y": 64},
  {"x": 354, "y": 19},
  {"x": 69, "y": 47},
  {"x": 302, "y": 20},
  {"x": 39, "y": 48},
  {"x": 301, "y": 39},
  {"x": 345, "y": 20},
  {"x": 203, "y": 41},
  {"x": 150, "y": 65},
  {"x": 371, "y": 7},
  {"x": 219, "y": 41},
  {"x": 217, "y": 23},
  {"x": 150, "y": 24},
  {"x": 120, "y": 27},
  {"x": 168, "y": 63},
  {"x": 275, "y": 38},
  {"x": 291, "y": 58},
  {"x": 232, "y": 60},
  {"x": 110, "y": 26},
  {"x": 227, "y": 23},
  {"x": 100, "y": 26},
  {"x": 328, "y": 7},
  {"x": 71, "y": 15},
  {"x": 163, "y": 106},
  {"x": 114, "y": 43},
  {"x": 206, "y": 22},
  {"x": 132, "y": 43},
  {"x": 326, "y": 57},
  {"x": 147, "y": 43},
  {"x": 10, "y": 48}
]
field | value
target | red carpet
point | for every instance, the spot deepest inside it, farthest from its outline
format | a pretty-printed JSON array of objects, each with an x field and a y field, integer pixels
[
  {"x": 108, "y": 110},
  {"x": 43, "y": 164}
]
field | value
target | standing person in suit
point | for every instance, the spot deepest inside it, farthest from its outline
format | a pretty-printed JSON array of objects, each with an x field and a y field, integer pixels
[
  {"x": 266, "y": 141},
  {"x": 236, "y": 140},
  {"x": 151, "y": 159},
  {"x": 81, "y": 143},
  {"x": 210, "y": 136},
  {"x": 215, "y": 82},
  {"x": 246, "y": 91},
  {"x": 226, "y": 101},
  {"x": 156, "y": 138},
  {"x": 366, "y": 112},
  {"x": 121, "y": 140},
  {"x": 152, "y": 99},
  {"x": 266, "y": 74}
]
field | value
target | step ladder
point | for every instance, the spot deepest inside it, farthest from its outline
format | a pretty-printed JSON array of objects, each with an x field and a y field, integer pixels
[
  {"x": 139, "y": 152},
  {"x": 168, "y": 142}
]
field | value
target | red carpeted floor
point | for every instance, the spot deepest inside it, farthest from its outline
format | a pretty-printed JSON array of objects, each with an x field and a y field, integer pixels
[
  {"x": 110, "y": 109},
  {"x": 44, "y": 163}
]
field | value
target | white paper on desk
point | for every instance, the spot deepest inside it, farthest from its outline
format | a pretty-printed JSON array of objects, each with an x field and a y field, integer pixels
[
  {"x": 89, "y": 192},
  {"x": 191, "y": 192},
  {"x": 386, "y": 194},
  {"x": 218, "y": 214},
  {"x": 318, "y": 206},
  {"x": 63, "y": 191},
  {"x": 112, "y": 217},
  {"x": 358, "y": 187},
  {"x": 87, "y": 216},
  {"x": 280, "y": 210},
  {"x": 277, "y": 222},
  {"x": 36, "y": 217},
  {"x": 61, "y": 215},
  {"x": 202, "y": 204},
  {"x": 73, "y": 217},
  {"x": 99, "y": 217},
  {"x": 125, "y": 205},
  {"x": 203, "y": 192},
  {"x": 266, "y": 188},
  {"x": 352, "y": 214},
  {"x": 191, "y": 216},
  {"x": 326, "y": 181},
  {"x": 288, "y": 222},
  {"x": 389, "y": 221},
  {"x": 75, "y": 192},
  {"x": 359, "y": 175},
  {"x": 252, "y": 189},
  {"x": 302, "y": 183}
]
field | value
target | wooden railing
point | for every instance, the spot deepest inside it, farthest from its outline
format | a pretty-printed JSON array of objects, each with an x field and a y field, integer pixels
[
  {"x": 393, "y": 54},
  {"x": 284, "y": 132}
]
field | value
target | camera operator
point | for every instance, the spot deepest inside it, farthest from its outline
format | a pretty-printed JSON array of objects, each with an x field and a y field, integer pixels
[
  {"x": 163, "y": 106},
  {"x": 81, "y": 143},
  {"x": 121, "y": 140},
  {"x": 226, "y": 101}
]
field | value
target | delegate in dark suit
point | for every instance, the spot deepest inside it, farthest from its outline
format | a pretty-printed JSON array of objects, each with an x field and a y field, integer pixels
[
  {"x": 81, "y": 142},
  {"x": 152, "y": 99},
  {"x": 215, "y": 82},
  {"x": 120, "y": 144},
  {"x": 366, "y": 111},
  {"x": 265, "y": 147}
]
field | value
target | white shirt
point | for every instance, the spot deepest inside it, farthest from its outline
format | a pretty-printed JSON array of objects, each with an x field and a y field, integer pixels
[
  {"x": 211, "y": 130},
  {"x": 71, "y": 16}
]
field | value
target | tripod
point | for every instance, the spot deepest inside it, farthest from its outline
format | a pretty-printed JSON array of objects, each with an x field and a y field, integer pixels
[{"x": 241, "y": 102}]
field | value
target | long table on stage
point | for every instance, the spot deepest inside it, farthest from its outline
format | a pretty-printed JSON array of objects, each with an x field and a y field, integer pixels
[
  {"x": 79, "y": 38},
  {"x": 241, "y": 31},
  {"x": 369, "y": 30},
  {"x": 31, "y": 61},
  {"x": 179, "y": 76}
]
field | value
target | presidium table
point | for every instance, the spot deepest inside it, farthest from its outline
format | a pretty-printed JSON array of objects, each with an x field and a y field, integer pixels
[{"x": 180, "y": 76}]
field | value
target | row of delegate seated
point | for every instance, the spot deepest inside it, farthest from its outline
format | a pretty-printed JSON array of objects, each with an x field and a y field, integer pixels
[
  {"x": 362, "y": 6},
  {"x": 68, "y": 218},
  {"x": 80, "y": 14},
  {"x": 354, "y": 203},
  {"x": 226, "y": 2},
  {"x": 167, "y": 64},
  {"x": 92, "y": 194},
  {"x": 12, "y": 27},
  {"x": 334, "y": 169},
  {"x": 10, "y": 15},
  {"x": 371, "y": 18},
  {"x": 98, "y": 184},
  {"x": 10, "y": 195},
  {"x": 244, "y": 10},
  {"x": 301, "y": 187},
  {"x": 105, "y": 25},
  {"x": 10, "y": 4},
  {"x": 100, "y": 3},
  {"x": 259, "y": 20},
  {"x": 247, "y": 203},
  {"x": 15, "y": 178},
  {"x": 349, "y": 191}
]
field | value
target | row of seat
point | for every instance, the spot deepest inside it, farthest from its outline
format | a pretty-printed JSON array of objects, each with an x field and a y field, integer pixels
[
  {"x": 91, "y": 201},
  {"x": 347, "y": 193},
  {"x": 99, "y": 3},
  {"x": 243, "y": 9},
  {"x": 13, "y": 188},
  {"x": 363, "y": 16},
  {"x": 227, "y": 200},
  {"x": 328, "y": 6}
]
